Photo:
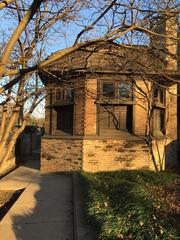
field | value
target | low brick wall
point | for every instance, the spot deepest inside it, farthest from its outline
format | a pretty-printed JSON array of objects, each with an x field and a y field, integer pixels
[
  {"x": 111, "y": 155},
  {"x": 59, "y": 155},
  {"x": 93, "y": 155}
]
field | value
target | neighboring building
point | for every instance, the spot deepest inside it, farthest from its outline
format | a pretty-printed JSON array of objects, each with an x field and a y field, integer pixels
[{"x": 105, "y": 102}]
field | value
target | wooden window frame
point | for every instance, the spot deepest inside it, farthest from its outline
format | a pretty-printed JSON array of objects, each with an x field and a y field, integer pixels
[
  {"x": 159, "y": 105},
  {"x": 61, "y": 95},
  {"x": 116, "y": 90},
  {"x": 117, "y": 118},
  {"x": 157, "y": 97},
  {"x": 118, "y": 101},
  {"x": 60, "y": 110}
]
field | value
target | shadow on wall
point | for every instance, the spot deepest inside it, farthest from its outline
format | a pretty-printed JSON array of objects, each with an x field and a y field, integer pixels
[
  {"x": 172, "y": 158},
  {"x": 164, "y": 154},
  {"x": 44, "y": 211}
]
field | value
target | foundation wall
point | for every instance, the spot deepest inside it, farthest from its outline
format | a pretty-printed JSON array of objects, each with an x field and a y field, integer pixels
[
  {"x": 58, "y": 155},
  {"x": 113, "y": 155}
]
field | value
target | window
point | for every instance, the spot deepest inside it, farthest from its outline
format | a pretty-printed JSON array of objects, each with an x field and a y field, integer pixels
[
  {"x": 114, "y": 118},
  {"x": 159, "y": 110},
  {"x": 158, "y": 95},
  {"x": 158, "y": 121},
  {"x": 125, "y": 89},
  {"x": 162, "y": 96},
  {"x": 108, "y": 90},
  {"x": 65, "y": 119},
  {"x": 162, "y": 120},
  {"x": 64, "y": 94},
  {"x": 69, "y": 94},
  {"x": 116, "y": 89}
]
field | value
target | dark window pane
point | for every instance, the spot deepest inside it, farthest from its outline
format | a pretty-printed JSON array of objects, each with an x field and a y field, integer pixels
[
  {"x": 129, "y": 118},
  {"x": 108, "y": 90},
  {"x": 155, "y": 93},
  {"x": 65, "y": 119},
  {"x": 125, "y": 89},
  {"x": 161, "y": 95},
  {"x": 162, "y": 121}
]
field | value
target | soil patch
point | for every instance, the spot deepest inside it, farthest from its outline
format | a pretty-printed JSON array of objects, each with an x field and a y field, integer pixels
[{"x": 7, "y": 199}]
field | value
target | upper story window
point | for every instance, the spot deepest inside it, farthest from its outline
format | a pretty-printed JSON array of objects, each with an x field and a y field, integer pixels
[
  {"x": 66, "y": 94},
  {"x": 116, "y": 89},
  {"x": 159, "y": 95},
  {"x": 125, "y": 89},
  {"x": 159, "y": 110},
  {"x": 108, "y": 89}
]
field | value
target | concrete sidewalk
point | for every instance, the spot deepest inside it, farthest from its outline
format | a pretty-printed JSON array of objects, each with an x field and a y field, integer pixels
[{"x": 43, "y": 211}]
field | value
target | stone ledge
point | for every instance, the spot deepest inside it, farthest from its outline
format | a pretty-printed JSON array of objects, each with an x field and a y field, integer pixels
[{"x": 127, "y": 137}]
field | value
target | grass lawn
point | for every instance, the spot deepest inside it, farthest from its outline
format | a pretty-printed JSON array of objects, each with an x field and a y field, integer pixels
[{"x": 133, "y": 204}]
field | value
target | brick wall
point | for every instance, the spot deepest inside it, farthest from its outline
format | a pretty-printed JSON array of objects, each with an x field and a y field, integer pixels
[
  {"x": 111, "y": 155},
  {"x": 93, "y": 155},
  {"x": 60, "y": 155}
]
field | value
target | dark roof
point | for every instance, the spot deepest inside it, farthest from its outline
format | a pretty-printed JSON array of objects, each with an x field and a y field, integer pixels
[{"x": 110, "y": 58}]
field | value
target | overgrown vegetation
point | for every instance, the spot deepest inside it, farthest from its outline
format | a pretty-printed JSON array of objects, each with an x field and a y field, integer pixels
[{"x": 133, "y": 205}]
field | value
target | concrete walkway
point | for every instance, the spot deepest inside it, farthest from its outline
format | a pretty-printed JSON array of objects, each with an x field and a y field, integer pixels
[{"x": 44, "y": 209}]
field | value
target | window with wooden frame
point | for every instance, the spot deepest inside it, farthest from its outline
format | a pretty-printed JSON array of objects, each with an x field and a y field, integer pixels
[
  {"x": 159, "y": 110},
  {"x": 159, "y": 95},
  {"x": 108, "y": 89},
  {"x": 116, "y": 89},
  {"x": 115, "y": 116},
  {"x": 124, "y": 89},
  {"x": 64, "y": 95},
  {"x": 65, "y": 119}
]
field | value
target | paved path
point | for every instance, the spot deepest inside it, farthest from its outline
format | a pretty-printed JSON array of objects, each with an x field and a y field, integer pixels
[{"x": 43, "y": 211}]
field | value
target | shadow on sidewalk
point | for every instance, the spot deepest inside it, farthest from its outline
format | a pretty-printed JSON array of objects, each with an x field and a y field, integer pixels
[
  {"x": 34, "y": 164},
  {"x": 44, "y": 210}
]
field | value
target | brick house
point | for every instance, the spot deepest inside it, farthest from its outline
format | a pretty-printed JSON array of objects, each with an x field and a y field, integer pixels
[{"x": 106, "y": 101}]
